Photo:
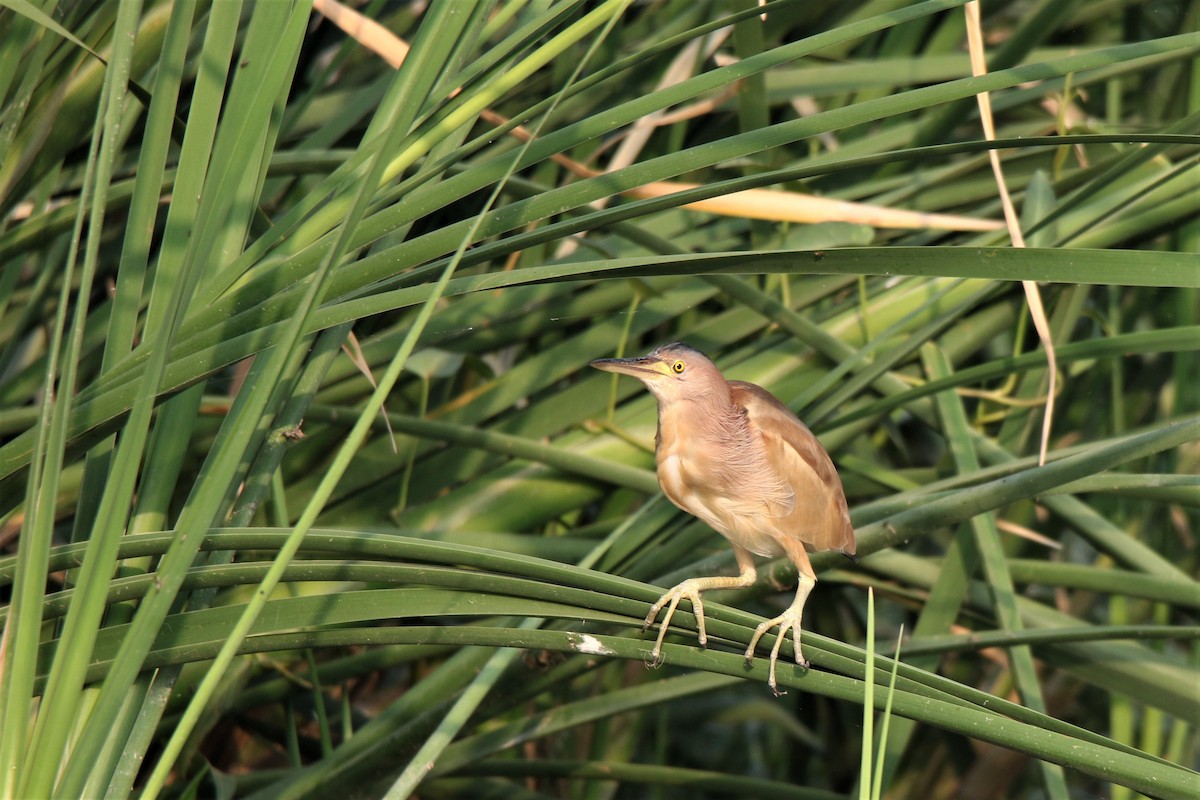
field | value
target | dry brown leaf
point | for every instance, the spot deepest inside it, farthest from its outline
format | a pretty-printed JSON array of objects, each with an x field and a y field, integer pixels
[
  {"x": 1033, "y": 295},
  {"x": 766, "y": 204}
]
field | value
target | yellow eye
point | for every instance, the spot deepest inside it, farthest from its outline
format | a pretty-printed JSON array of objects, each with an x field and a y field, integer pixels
[{"x": 678, "y": 366}]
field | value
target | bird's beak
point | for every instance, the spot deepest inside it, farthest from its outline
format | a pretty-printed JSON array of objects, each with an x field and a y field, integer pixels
[{"x": 634, "y": 367}]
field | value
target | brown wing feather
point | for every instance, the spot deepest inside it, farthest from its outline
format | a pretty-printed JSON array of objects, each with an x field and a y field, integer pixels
[{"x": 820, "y": 499}]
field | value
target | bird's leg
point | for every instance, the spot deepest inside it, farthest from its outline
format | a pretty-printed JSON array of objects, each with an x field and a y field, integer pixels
[
  {"x": 788, "y": 619},
  {"x": 691, "y": 589}
]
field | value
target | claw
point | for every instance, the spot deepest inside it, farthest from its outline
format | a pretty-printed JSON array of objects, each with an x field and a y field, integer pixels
[
  {"x": 691, "y": 589},
  {"x": 688, "y": 589},
  {"x": 788, "y": 620}
]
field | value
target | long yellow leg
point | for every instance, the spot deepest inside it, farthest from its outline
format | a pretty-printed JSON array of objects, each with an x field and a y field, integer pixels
[
  {"x": 791, "y": 618},
  {"x": 788, "y": 619},
  {"x": 691, "y": 589}
]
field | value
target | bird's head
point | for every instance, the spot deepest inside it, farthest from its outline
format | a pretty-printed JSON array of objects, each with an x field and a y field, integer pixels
[{"x": 672, "y": 372}]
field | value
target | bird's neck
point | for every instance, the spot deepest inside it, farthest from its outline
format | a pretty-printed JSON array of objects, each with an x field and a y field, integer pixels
[{"x": 705, "y": 417}]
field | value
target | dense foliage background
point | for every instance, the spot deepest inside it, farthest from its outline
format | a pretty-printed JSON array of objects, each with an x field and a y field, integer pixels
[{"x": 228, "y": 572}]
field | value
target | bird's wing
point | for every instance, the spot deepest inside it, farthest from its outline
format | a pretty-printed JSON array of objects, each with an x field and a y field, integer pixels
[{"x": 821, "y": 508}]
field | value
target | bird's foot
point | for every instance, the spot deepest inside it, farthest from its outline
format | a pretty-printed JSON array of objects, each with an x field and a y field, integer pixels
[
  {"x": 689, "y": 589},
  {"x": 789, "y": 619},
  {"x": 653, "y": 660}
]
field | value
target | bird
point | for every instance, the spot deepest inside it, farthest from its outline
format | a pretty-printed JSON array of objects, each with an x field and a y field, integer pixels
[{"x": 734, "y": 456}]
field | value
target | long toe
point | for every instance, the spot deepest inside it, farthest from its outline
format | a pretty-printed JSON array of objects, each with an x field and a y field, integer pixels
[
  {"x": 800, "y": 659},
  {"x": 775, "y": 660},
  {"x": 684, "y": 591},
  {"x": 788, "y": 620}
]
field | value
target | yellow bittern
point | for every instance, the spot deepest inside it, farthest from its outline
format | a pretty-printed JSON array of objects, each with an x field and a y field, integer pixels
[{"x": 732, "y": 455}]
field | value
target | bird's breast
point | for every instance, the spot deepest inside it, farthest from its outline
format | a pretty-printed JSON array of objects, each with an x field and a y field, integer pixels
[
  {"x": 753, "y": 472},
  {"x": 705, "y": 479}
]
